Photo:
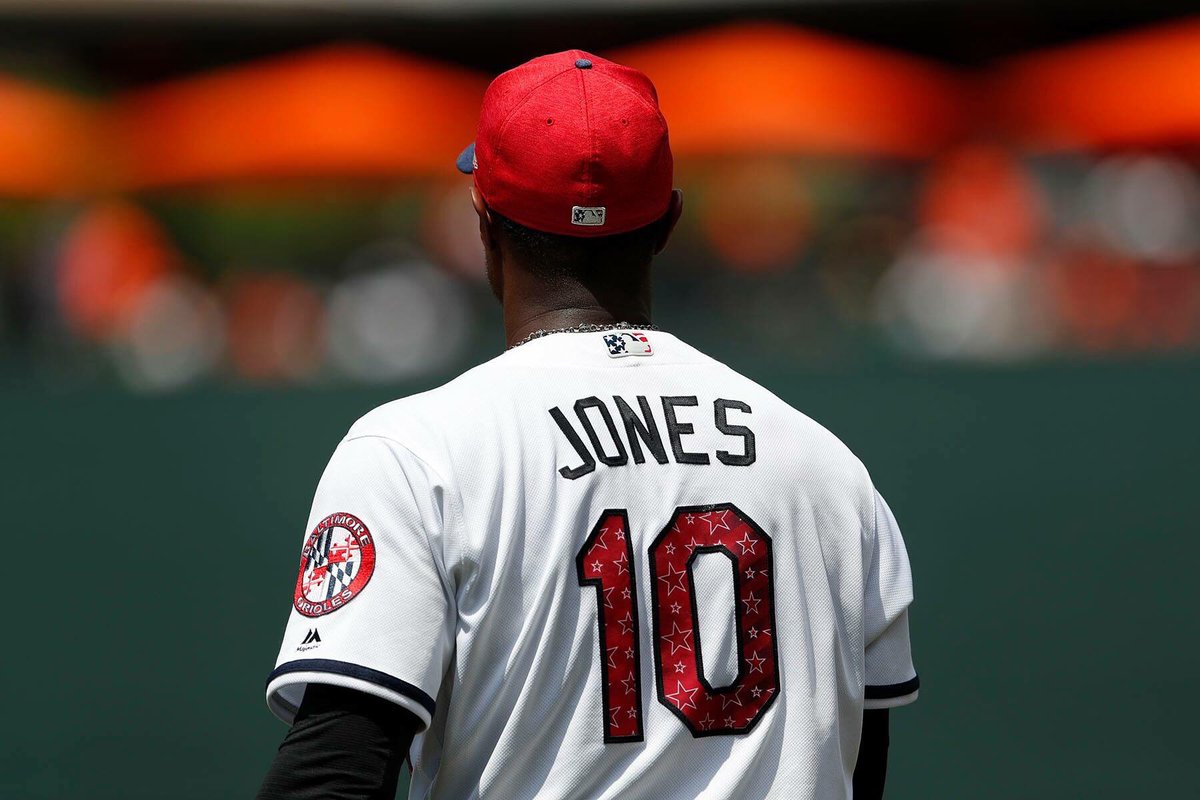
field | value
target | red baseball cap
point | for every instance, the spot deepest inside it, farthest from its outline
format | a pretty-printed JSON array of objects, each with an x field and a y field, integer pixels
[{"x": 574, "y": 144}]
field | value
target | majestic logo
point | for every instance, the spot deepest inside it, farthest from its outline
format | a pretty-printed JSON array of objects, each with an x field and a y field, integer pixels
[
  {"x": 311, "y": 641},
  {"x": 588, "y": 215},
  {"x": 335, "y": 565},
  {"x": 627, "y": 343}
]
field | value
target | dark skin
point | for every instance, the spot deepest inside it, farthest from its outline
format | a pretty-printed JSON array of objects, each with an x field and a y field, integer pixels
[{"x": 534, "y": 303}]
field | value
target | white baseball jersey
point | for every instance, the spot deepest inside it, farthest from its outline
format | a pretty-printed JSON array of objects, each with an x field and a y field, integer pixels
[{"x": 604, "y": 565}]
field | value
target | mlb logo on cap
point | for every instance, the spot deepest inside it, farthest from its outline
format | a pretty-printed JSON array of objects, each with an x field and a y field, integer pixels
[
  {"x": 588, "y": 216},
  {"x": 573, "y": 144}
]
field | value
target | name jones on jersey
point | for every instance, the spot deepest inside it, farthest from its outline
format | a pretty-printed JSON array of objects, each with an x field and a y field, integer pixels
[{"x": 631, "y": 425}]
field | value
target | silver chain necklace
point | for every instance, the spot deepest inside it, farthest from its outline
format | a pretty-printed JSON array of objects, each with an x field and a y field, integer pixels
[{"x": 586, "y": 327}]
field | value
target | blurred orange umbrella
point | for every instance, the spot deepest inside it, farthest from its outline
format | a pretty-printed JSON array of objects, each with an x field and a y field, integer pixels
[
  {"x": 761, "y": 88},
  {"x": 342, "y": 111},
  {"x": 47, "y": 141},
  {"x": 1133, "y": 89}
]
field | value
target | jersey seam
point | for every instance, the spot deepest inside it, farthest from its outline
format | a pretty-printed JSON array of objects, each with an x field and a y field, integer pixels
[
  {"x": 456, "y": 505},
  {"x": 874, "y": 525},
  {"x": 348, "y": 669},
  {"x": 887, "y": 691}
]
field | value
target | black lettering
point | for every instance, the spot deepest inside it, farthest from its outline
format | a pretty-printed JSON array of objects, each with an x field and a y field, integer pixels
[
  {"x": 644, "y": 428},
  {"x": 581, "y": 407},
  {"x": 676, "y": 430},
  {"x": 589, "y": 463},
  {"x": 720, "y": 407}
]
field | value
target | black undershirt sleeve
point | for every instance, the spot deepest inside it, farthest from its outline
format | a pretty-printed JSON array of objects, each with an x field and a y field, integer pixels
[
  {"x": 344, "y": 745},
  {"x": 871, "y": 770}
]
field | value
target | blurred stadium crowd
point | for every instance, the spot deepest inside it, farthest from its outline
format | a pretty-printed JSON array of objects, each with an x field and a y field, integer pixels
[{"x": 1012, "y": 217}]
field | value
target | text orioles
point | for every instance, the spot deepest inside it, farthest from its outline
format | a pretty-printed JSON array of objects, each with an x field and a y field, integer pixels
[{"x": 613, "y": 432}]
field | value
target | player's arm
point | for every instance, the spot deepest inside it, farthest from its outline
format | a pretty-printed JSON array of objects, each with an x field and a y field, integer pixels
[
  {"x": 344, "y": 745},
  {"x": 871, "y": 770},
  {"x": 371, "y": 630}
]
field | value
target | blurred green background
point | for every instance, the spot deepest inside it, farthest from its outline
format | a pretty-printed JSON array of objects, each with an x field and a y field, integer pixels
[
  {"x": 1050, "y": 514},
  {"x": 948, "y": 230}
]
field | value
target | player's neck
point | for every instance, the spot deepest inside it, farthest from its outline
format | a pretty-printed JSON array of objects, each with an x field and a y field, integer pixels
[{"x": 532, "y": 306}]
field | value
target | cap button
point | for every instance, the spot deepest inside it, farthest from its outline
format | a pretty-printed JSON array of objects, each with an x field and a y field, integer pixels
[{"x": 583, "y": 63}]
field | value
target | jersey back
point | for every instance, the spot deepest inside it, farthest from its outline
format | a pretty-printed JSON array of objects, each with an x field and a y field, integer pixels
[{"x": 605, "y": 565}]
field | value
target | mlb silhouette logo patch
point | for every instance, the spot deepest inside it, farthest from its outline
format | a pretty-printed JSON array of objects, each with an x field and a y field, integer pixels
[
  {"x": 627, "y": 343},
  {"x": 588, "y": 215}
]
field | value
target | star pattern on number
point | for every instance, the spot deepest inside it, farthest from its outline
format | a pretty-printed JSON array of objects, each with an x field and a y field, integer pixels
[
  {"x": 679, "y": 639},
  {"x": 717, "y": 521},
  {"x": 682, "y": 696},
  {"x": 675, "y": 580},
  {"x": 681, "y": 681},
  {"x": 607, "y": 560},
  {"x": 601, "y": 540}
]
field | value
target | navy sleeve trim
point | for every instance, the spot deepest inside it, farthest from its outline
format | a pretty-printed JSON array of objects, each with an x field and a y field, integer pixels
[
  {"x": 355, "y": 671},
  {"x": 893, "y": 689}
]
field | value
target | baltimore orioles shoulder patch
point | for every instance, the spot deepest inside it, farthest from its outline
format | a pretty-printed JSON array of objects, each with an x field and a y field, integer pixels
[{"x": 335, "y": 565}]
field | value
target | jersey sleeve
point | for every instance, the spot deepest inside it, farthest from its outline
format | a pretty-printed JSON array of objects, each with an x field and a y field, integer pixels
[
  {"x": 373, "y": 607},
  {"x": 891, "y": 679}
]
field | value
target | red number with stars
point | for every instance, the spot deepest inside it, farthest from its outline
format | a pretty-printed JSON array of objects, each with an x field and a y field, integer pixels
[
  {"x": 605, "y": 561},
  {"x": 682, "y": 686}
]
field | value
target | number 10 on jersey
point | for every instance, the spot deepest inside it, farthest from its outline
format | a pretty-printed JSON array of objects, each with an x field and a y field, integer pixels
[{"x": 606, "y": 561}]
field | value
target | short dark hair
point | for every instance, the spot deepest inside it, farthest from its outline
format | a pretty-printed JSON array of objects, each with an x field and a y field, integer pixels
[{"x": 555, "y": 255}]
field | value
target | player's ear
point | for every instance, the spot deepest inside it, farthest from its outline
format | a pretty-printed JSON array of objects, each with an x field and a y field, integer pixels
[
  {"x": 669, "y": 220},
  {"x": 493, "y": 257},
  {"x": 485, "y": 219}
]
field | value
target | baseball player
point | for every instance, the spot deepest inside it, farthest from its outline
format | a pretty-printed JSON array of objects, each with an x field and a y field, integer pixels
[{"x": 601, "y": 565}]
